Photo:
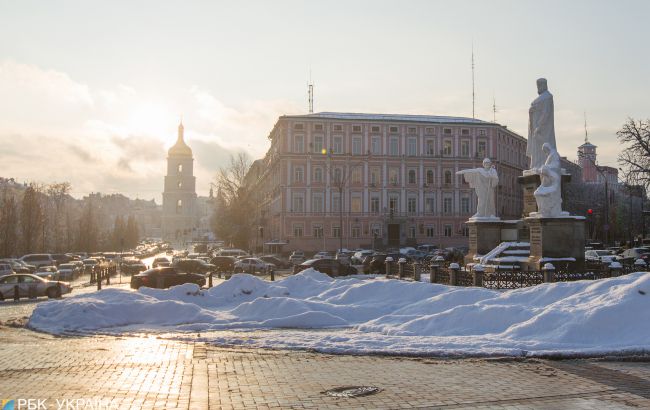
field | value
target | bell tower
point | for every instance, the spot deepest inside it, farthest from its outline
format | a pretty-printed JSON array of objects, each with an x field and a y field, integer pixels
[{"x": 179, "y": 195}]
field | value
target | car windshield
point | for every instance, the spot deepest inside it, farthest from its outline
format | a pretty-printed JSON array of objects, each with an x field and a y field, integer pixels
[{"x": 603, "y": 253}]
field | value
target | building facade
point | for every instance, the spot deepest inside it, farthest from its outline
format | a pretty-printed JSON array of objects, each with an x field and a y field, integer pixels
[
  {"x": 179, "y": 220},
  {"x": 378, "y": 180}
]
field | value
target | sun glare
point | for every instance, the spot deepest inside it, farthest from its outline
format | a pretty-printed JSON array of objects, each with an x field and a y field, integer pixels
[{"x": 151, "y": 118}]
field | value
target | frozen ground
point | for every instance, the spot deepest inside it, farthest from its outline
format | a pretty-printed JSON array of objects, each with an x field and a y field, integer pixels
[{"x": 313, "y": 311}]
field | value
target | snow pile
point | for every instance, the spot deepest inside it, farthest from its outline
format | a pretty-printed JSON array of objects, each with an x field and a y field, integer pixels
[{"x": 377, "y": 315}]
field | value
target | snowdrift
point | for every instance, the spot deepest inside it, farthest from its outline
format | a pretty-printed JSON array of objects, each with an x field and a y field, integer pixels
[{"x": 374, "y": 315}]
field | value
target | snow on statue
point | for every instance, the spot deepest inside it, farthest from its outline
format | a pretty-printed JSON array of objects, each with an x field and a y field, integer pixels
[
  {"x": 541, "y": 128},
  {"x": 484, "y": 181},
  {"x": 549, "y": 194}
]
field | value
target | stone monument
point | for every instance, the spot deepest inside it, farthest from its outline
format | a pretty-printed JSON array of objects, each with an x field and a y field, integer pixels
[
  {"x": 541, "y": 126},
  {"x": 484, "y": 181}
]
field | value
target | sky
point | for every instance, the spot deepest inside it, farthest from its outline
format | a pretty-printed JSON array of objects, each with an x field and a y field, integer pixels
[{"x": 92, "y": 92}]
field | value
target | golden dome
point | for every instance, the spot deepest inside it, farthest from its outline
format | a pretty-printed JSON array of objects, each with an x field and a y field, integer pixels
[{"x": 180, "y": 149}]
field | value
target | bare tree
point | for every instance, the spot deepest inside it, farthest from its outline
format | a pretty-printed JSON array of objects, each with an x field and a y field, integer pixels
[
  {"x": 8, "y": 226},
  {"x": 31, "y": 220},
  {"x": 635, "y": 157}
]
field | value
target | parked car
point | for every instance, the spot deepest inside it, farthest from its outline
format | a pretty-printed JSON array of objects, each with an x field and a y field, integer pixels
[
  {"x": 47, "y": 272},
  {"x": 330, "y": 267},
  {"x": 158, "y": 260},
  {"x": 90, "y": 264},
  {"x": 630, "y": 255},
  {"x": 297, "y": 257},
  {"x": 193, "y": 266},
  {"x": 132, "y": 266},
  {"x": 162, "y": 278},
  {"x": 322, "y": 255},
  {"x": 343, "y": 257},
  {"x": 39, "y": 259},
  {"x": 279, "y": 263},
  {"x": 600, "y": 256},
  {"x": 67, "y": 271},
  {"x": 6, "y": 269},
  {"x": 232, "y": 252},
  {"x": 60, "y": 258},
  {"x": 252, "y": 265},
  {"x": 359, "y": 256},
  {"x": 16, "y": 266},
  {"x": 224, "y": 263},
  {"x": 31, "y": 285}
]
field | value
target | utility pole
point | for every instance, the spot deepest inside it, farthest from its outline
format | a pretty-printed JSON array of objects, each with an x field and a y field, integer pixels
[{"x": 473, "y": 94}]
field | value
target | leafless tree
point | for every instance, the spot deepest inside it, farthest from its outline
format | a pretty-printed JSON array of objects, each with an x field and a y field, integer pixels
[{"x": 635, "y": 157}]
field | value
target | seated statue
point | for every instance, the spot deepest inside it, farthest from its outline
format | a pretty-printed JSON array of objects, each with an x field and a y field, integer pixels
[
  {"x": 484, "y": 181},
  {"x": 549, "y": 194}
]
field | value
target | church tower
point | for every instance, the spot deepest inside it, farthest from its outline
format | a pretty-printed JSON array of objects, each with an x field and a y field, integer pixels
[{"x": 179, "y": 196}]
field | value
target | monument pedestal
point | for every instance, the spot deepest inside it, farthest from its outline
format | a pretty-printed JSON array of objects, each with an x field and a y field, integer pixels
[
  {"x": 485, "y": 235},
  {"x": 557, "y": 240}
]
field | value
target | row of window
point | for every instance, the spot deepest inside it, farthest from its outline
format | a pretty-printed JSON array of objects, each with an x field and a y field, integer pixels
[
  {"x": 318, "y": 204},
  {"x": 339, "y": 174},
  {"x": 393, "y": 129},
  {"x": 318, "y": 231},
  {"x": 317, "y": 145}
]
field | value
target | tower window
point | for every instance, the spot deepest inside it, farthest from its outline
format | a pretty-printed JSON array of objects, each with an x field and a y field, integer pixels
[
  {"x": 180, "y": 168},
  {"x": 180, "y": 185},
  {"x": 179, "y": 206}
]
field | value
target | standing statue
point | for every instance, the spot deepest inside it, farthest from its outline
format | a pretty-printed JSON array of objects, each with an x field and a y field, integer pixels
[
  {"x": 541, "y": 128},
  {"x": 549, "y": 194},
  {"x": 484, "y": 181}
]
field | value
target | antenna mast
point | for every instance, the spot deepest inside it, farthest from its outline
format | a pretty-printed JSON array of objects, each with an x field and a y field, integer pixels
[
  {"x": 310, "y": 94},
  {"x": 494, "y": 109},
  {"x": 473, "y": 94},
  {"x": 586, "y": 135}
]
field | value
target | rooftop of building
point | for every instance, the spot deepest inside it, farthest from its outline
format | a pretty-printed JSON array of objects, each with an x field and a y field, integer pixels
[{"x": 353, "y": 116}]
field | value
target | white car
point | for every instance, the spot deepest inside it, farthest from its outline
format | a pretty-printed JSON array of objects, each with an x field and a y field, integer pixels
[
  {"x": 601, "y": 256},
  {"x": 31, "y": 286},
  {"x": 5, "y": 269},
  {"x": 297, "y": 257},
  {"x": 252, "y": 265},
  {"x": 322, "y": 255},
  {"x": 67, "y": 271}
]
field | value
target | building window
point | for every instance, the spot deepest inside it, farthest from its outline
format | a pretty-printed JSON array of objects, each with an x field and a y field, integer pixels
[
  {"x": 376, "y": 146},
  {"x": 447, "y": 177},
  {"x": 318, "y": 174},
  {"x": 464, "y": 131},
  {"x": 430, "y": 231},
  {"x": 374, "y": 177},
  {"x": 356, "y": 128},
  {"x": 412, "y": 232},
  {"x": 317, "y": 231},
  {"x": 298, "y": 231},
  {"x": 356, "y": 175},
  {"x": 431, "y": 148},
  {"x": 179, "y": 169},
  {"x": 298, "y": 143},
  {"x": 355, "y": 232},
  {"x": 298, "y": 203},
  {"x": 338, "y": 145},
  {"x": 356, "y": 204},
  {"x": 298, "y": 127},
  {"x": 336, "y": 231},
  {"x": 374, "y": 205},
  {"x": 318, "y": 144},
  {"x": 464, "y": 149},
  {"x": 298, "y": 174},
  {"x": 446, "y": 131},
  {"x": 430, "y": 177},
  {"x": 376, "y": 231},
  {"x": 338, "y": 127},
  {"x": 336, "y": 203},
  {"x": 412, "y": 179},
  {"x": 481, "y": 133},
  {"x": 482, "y": 149},
  {"x": 317, "y": 203},
  {"x": 180, "y": 185},
  {"x": 430, "y": 205},
  {"x": 411, "y": 205},
  {"x": 356, "y": 146},
  {"x": 393, "y": 176},
  {"x": 464, "y": 205},
  {"x": 465, "y": 230},
  {"x": 411, "y": 147},
  {"x": 318, "y": 127},
  {"x": 393, "y": 203},
  {"x": 393, "y": 147},
  {"x": 393, "y": 129},
  {"x": 374, "y": 128},
  {"x": 430, "y": 131},
  {"x": 446, "y": 148},
  {"x": 447, "y": 206},
  {"x": 412, "y": 130},
  {"x": 179, "y": 206},
  {"x": 448, "y": 230},
  {"x": 338, "y": 175}
]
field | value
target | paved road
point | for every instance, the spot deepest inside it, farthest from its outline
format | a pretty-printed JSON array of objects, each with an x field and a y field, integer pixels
[{"x": 147, "y": 372}]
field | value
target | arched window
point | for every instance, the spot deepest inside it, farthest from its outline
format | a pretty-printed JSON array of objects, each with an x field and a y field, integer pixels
[
  {"x": 430, "y": 177},
  {"x": 448, "y": 177},
  {"x": 338, "y": 175},
  {"x": 180, "y": 185},
  {"x": 180, "y": 168},
  {"x": 179, "y": 205},
  {"x": 411, "y": 176},
  {"x": 318, "y": 174}
]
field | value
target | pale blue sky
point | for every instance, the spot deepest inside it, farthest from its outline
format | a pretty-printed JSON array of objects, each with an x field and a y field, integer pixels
[{"x": 93, "y": 76}]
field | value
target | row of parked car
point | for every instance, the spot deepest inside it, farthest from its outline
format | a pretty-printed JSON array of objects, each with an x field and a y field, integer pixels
[{"x": 616, "y": 254}]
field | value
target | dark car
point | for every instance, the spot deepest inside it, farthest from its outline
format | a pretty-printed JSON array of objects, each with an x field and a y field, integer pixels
[
  {"x": 279, "y": 263},
  {"x": 162, "y": 278},
  {"x": 193, "y": 266},
  {"x": 331, "y": 267},
  {"x": 132, "y": 266},
  {"x": 223, "y": 263}
]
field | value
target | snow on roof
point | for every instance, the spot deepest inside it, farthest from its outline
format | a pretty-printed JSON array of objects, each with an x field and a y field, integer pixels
[{"x": 440, "y": 119}]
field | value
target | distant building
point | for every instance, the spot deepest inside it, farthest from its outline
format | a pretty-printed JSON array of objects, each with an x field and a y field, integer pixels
[
  {"x": 591, "y": 171},
  {"x": 396, "y": 174},
  {"x": 179, "y": 219}
]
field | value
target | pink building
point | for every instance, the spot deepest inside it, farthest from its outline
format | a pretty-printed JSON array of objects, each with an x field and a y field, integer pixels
[{"x": 375, "y": 180}]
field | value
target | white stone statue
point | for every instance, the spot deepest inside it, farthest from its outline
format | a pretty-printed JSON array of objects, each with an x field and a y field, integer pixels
[
  {"x": 549, "y": 194},
  {"x": 541, "y": 128},
  {"x": 484, "y": 181}
]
